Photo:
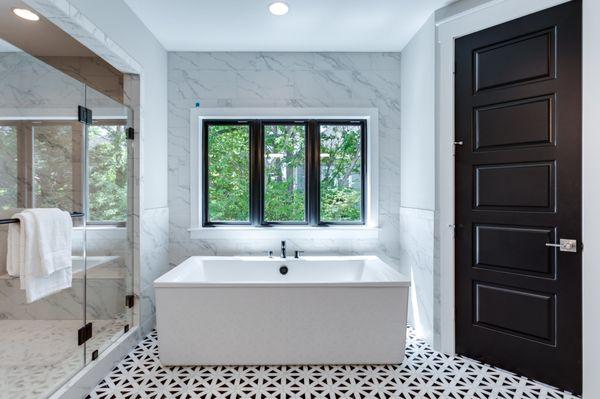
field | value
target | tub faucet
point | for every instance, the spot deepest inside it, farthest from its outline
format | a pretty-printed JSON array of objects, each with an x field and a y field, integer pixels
[{"x": 283, "y": 249}]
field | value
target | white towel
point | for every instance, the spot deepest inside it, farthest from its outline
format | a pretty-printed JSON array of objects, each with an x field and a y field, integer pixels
[{"x": 39, "y": 251}]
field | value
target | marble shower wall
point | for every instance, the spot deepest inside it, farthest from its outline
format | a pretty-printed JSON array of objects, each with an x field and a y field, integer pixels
[
  {"x": 32, "y": 89},
  {"x": 283, "y": 80}
]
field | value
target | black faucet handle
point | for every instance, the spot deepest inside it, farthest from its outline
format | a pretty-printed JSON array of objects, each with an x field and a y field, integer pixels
[{"x": 297, "y": 254}]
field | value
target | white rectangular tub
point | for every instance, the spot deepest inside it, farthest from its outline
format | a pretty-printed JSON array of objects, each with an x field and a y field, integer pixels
[{"x": 244, "y": 311}]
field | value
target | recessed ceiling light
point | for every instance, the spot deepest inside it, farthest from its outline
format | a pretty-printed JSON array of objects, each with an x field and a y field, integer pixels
[
  {"x": 26, "y": 14},
  {"x": 279, "y": 8}
]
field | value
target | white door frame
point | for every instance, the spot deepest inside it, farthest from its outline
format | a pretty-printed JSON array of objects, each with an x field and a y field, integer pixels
[
  {"x": 470, "y": 21},
  {"x": 483, "y": 16}
]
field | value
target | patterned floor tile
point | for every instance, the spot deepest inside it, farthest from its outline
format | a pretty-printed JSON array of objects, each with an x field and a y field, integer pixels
[{"x": 425, "y": 374}]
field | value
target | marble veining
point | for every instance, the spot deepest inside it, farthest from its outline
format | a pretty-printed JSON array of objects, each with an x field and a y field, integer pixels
[
  {"x": 77, "y": 25},
  {"x": 38, "y": 355},
  {"x": 367, "y": 80},
  {"x": 416, "y": 241}
]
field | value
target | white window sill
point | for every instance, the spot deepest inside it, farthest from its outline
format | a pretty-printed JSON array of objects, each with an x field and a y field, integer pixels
[
  {"x": 101, "y": 227},
  {"x": 285, "y": 232}
]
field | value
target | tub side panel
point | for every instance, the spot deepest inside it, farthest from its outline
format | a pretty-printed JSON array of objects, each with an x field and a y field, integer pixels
[{"x": 270, "y": 326}]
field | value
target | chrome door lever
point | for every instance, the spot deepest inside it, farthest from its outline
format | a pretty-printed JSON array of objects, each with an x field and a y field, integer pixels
[{"x": 565, "y": 245}]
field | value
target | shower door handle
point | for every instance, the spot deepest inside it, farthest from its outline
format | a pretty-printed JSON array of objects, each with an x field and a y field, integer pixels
[{"x": 565, "y": 245}]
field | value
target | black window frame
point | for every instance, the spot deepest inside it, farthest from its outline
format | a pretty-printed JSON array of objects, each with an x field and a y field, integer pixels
[{"x": 256, "y": 181}]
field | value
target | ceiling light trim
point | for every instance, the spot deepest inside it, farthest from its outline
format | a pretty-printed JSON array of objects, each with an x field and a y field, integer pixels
[
  {"x": 278, "y": 8},
  {"x": 26, "y": 14}
]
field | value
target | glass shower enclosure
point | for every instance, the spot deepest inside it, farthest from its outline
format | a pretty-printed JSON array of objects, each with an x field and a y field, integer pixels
[{"x": 63, "y": 145}]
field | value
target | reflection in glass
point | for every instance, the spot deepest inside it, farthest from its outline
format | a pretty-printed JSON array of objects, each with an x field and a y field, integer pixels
[
  {"x": 56, "y": 165},
  {"x": 9, "y": 166},
  {"x": 107, "y": 163},
  {"x": 340, "y": 173}
]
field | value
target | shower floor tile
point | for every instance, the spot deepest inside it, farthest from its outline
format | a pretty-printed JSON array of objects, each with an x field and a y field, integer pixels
[
  {"x": 37, "y": 356},
  {"x": 424, "y": 373}
]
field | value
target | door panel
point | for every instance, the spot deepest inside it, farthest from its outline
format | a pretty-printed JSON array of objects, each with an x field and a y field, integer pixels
[
  {"x": 515, "y": 249},
  {"x": 531, "y": 186},
  {"x": 514, "y": 123},
  {"x": 518, "y": 187},
  {"x": 522, "y": 312},
  {"x": 518, "y": 60}
]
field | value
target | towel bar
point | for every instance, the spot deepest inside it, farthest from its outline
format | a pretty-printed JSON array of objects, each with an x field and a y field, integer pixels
[{"x": 7, "y": 221}]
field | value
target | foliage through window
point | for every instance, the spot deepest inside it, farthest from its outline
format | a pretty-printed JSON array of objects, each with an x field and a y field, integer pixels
[
  {"x": 284, "y": 155},
  {"x": 341, "y": 177},
  {"x": 107, "y": 178},
  {"x": 9, "y": 164},
  {"x": 283, "y": 172},
  {"x": 228, "y": 173},
  {"x": 42, "y": 166}
]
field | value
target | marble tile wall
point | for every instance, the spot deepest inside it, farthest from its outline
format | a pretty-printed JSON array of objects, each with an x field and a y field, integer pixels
[
  {"x": 155, "y": 261},
  {"x": 283, "y": 80},
  {"x": 417, "y": 254}
]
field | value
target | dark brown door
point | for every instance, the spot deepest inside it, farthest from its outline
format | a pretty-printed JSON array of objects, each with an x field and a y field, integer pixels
[{"x": 518, "y": 188}]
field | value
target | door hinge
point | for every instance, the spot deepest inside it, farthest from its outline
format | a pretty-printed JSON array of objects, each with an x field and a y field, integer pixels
[
  {"x": 130, "y": 133},
  {"x": 84, "y": 115},
  {"x": 129, "y": 299},
  {"x": 95, "y": 355},
  {"x": 126, "y": 328},
  {"x": 84, "y": 334}
]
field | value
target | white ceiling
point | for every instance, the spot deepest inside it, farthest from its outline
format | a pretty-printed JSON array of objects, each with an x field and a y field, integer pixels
[{"x": 310, "y": 25}]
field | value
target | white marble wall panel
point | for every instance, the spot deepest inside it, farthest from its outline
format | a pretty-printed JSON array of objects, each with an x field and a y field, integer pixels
[
  {"x": 154, "y": 258},
  {"x": 283, "y": 80},
  {"x": 417, "y": 243},
  {"x": 77, "y": 25},
  {"x": 105, "y": 300}
]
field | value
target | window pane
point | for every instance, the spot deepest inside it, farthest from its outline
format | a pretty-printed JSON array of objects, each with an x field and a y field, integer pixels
[
  {"x": 107, "y": 162},
  {"x": 228, "y": 173},
  {"x": 53, "y": 163},
  {"x": 284, "y": 156},
  {"x": 340, "y": 173},
  {"x": 8, "y": 167}
]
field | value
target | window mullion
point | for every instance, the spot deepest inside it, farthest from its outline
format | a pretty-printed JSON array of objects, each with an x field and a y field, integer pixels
[
  {"x": 256, "y": 173},
  {"x": 313, "y": 173}
]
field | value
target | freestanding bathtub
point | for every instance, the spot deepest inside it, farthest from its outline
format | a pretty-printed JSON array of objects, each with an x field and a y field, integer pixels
[{"x": 245, "y": 311}]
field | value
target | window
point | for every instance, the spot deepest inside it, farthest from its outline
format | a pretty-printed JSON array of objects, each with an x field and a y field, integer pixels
[
  {"x": 107, "y": 177},
  {"x": 9, "y": 164},
  {"x": 284, "y": 149},
  {"x": 42, "y": 164},
  {"x": 56, "y": 165},
  {"x": 341, "y": 177},
  {"x": 228, "y": 173},
  {"x": 273, "y": 172}
]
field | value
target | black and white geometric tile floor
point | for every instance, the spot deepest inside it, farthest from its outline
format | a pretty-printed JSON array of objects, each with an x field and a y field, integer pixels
[{"x": 424, "y": 373}]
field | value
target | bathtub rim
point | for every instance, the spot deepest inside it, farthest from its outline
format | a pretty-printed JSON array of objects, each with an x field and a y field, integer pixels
[{"x": 165, "y": 281}]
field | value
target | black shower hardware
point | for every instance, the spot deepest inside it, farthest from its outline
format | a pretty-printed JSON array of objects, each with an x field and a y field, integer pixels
[
  {"x": 283, "y": 270},
  {"x": 8, "y": 221},
  {"x": 283, "y": 249},
  {"x": 297, "y": 254}
]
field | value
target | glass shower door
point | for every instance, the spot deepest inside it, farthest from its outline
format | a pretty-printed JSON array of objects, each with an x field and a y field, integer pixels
[
  {"x": 109, "y": 262},
  {"x": 40, "y": 161}
]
